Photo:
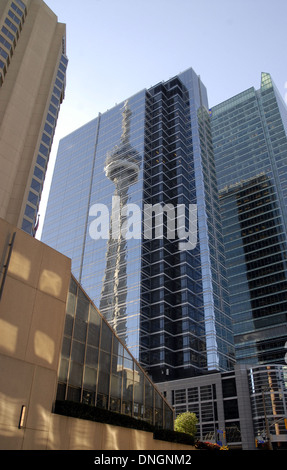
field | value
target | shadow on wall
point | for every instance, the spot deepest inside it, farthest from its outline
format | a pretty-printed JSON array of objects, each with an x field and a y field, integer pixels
[{"x": 32, "y": 315}]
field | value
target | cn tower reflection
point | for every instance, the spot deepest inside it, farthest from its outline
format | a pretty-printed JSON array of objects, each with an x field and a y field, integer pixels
[{"x": 122, "y": 168}]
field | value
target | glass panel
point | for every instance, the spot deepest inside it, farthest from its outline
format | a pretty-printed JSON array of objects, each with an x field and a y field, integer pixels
[
  {"x": 78, "y": 352},
  {"x": 75, "y": 376},
  {"x": 90, "y": 378},
  {"x": 104, "y": 373},
  {"x": 158, "y": 410},
  {"x": 117, "y": 347},
  {"x": 128, "y": 381},
  {"x": 71, "y": 302},
  {"x": 102, "y": 401},
  {"x": 69, "y": 323},
  {"x": 61, "y": 392},
  {"x": 74, "y": 394},
  {"x": 94, "y": 334},
  {"x": 116, "y": 385},
  {"x": 168, "y": 417},
  {"x": 88, "y": 397},
  {"x": 138, "y": 385},
  {"x": 63, "y": 371},
  {"x": 106, "y": 338},
  {"x": 82, "y": 311},
  {"x": 115, "y": 404},
  {"x": 92, "y": 355},
  {"x": 80, "y": 330},
  {"x": 66, "y": 347}
]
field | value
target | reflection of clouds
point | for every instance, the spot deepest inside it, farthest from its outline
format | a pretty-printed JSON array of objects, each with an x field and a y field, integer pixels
[{"x": 285, "y": 96}]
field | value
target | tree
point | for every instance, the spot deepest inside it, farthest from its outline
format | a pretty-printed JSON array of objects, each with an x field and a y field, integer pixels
[{"x": 186, "y": 422}]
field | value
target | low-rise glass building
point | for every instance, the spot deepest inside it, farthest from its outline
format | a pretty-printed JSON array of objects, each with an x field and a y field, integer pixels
[{"x": 97, "y": 369}]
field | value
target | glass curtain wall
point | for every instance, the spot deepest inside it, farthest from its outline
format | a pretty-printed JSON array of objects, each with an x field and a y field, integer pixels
[
  {"x": 97, "y": 369},
  {"x": 169, "y": 306},
  {"x": 268, "y": 392},
  {"x": 217, "y": 319},
  {"x": 250, "y": 148}
]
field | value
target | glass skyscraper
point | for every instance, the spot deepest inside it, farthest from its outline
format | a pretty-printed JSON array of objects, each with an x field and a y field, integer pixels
[
  {"x": 250, "y": 149},
  {"x": 122, "y": 207}
]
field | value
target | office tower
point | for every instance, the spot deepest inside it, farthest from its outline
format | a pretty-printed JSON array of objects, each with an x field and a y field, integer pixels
[
  {"x": 250, "y": 149},
  {"x": 32, "y": 82},
  {"x": 134, "y": 204}
]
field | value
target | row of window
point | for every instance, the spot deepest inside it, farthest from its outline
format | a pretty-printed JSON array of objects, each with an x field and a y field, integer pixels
[
  {"x": 9, "y": 35},
  {"x": 28, "y": 224}
]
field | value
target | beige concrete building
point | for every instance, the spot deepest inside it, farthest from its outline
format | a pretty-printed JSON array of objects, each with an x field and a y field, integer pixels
[{"x": 32, "y": 82}]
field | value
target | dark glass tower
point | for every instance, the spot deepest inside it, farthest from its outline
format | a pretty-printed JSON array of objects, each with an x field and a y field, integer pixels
[
  {"x": 164, "y": 292},
  {"x": 250, "y": 148}
]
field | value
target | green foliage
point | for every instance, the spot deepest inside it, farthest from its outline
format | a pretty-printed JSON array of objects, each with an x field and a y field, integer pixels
[{"x": 186, "y": 422}]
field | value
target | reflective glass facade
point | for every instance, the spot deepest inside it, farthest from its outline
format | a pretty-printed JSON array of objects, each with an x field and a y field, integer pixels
[
  {"x": 98, "y": 370},
  {"x": 268, "y": 393},
  {"x": 169, "y": 306},
  {"x": 250, "y": 148}
]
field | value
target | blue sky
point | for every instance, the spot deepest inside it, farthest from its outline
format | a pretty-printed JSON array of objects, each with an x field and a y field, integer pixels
[{"x": 119, "y": 47}]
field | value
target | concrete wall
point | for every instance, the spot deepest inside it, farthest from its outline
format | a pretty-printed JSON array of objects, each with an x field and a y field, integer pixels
[
  {"x": 74, "y": 434},
  {"x": 32, "y": 316}
]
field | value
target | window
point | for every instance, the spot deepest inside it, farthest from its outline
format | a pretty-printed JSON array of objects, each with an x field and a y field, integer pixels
[
  {"x": 5, "y": 43},
  {"x": 179, "y": 396},
  {"x": 27, "y": 226},
  {"x": 36, "y": 185},
  {"x": 231, "y": 409},
  {"x": 17, "y": 10},
  {"x": 11, "y": 25},
  {"x": 192, "y": 394},
  {"x": 41, "y": 161},
  {"x": 38, "y": 173},
  {"x": 29, "y": 211},
  {"x": 8, "y": 34},
  {"x": 33, "y": 198},
  {"x": 229, "y": 388},
  {"x": 46, "y": 139},
  {"x": 14, "y": 17}
]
